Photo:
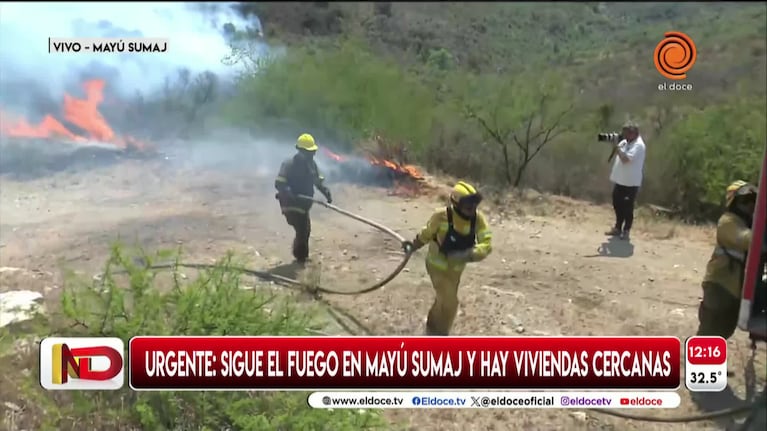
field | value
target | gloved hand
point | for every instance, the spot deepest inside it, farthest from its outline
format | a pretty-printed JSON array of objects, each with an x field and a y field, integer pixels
[
  {"x": 325, "y": 191},
  {"x": 462, "y": 256},
  {"x": 408, "y": 247}
]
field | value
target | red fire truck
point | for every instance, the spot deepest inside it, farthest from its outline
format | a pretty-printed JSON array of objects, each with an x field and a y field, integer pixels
[{"x": 753, "y": 316}]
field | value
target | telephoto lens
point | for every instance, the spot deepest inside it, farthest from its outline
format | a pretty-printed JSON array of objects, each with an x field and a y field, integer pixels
[{"x": 609, "y": 136}]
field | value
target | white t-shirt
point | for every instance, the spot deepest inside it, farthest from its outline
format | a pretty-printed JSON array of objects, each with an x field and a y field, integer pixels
[{"x": 629, "y": 173}]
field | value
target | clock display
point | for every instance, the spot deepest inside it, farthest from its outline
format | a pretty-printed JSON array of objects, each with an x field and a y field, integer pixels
[{"x": 706, "y": 364}]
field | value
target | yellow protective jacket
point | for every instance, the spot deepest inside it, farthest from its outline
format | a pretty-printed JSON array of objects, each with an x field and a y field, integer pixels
[
  {"x": 434, "y": 234},
  {"x": 727, "y": 262}
]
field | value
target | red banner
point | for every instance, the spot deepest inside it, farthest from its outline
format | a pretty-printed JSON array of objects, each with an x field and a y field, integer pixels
[{"x": 320, "y": 363}]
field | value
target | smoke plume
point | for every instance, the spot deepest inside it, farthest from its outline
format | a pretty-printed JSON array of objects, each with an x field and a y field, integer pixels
[
  {"x": 34, "y": 84},
  {"x": 197, "y": 34},
  {"x": 118, "y": 100}
]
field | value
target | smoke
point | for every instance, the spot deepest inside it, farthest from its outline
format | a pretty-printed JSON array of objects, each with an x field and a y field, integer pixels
[
  {"x": 235, "y": 151},
  {"x": 199, "y": 36}
]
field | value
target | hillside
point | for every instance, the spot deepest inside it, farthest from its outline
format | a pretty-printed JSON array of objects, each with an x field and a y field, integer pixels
[
  {"x": 510, "y": 37},
  {"x": 599, "y": 55}
]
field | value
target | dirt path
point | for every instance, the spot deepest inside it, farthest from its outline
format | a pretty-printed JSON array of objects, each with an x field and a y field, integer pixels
[{"x": 551, "y": 271}]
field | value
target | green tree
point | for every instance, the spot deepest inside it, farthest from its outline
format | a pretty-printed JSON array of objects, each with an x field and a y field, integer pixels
[
  {"x": 715, "y": 146},
  {"x": 521, "y": 116},
  {"x": 345, "y": 92}
]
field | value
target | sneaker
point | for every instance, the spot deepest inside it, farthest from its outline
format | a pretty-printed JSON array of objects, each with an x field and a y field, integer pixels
[
  {"x": 613, "y": 232},
  {"x": 625, "y": 235}
]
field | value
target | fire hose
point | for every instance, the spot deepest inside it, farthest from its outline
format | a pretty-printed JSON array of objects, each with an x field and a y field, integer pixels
[
  {"x": 316, "y": 289},
  {"x": 730, "y": 412},
  {"x": 753, "y": 408}
]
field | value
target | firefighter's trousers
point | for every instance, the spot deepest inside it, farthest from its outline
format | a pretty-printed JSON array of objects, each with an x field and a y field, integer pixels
[
  {"x": 302, "y": 225},
  {"x": 445, "y": 307},
  {"x": 718, "y": 311}
]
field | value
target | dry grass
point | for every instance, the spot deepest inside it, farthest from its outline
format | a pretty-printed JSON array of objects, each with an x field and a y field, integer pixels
[
  {"x": 648, "y": 221},
  {"x": 542, "y": 260}
]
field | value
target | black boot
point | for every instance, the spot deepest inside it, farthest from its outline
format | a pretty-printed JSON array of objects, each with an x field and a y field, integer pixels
[{"x": 300, "y": 251}]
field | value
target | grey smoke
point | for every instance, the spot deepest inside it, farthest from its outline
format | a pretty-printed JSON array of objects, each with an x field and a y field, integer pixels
[
  {"x": 201, "y": 35},
  {"x": 198, "y": 42}
]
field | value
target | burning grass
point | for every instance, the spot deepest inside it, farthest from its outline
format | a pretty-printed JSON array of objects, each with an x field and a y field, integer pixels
[
  {"x": 383, "y": 165},
  {"x": 77, "y": 137},
  {"x": 81, "y": 135},
  {"x": 82, "y": 114}
]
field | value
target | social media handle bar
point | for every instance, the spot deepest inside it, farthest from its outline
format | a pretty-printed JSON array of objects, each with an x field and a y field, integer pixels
[{"x": 484, "y": 400}]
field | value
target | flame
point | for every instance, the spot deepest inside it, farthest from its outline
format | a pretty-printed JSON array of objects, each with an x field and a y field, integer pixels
[
  {"x": 408, "y": 179},
  {"x": 407, "y": 170},
  {"x": 332, "y": 155},
  {"x": 48, "y": 127},
  {"x": 82, "y": 113}
]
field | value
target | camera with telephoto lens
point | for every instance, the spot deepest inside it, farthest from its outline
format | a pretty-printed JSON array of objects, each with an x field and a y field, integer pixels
[{"x": 609, "y": 137}]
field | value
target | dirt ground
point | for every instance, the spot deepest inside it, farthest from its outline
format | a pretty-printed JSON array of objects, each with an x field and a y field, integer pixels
[{"x": 552, "y": 271}]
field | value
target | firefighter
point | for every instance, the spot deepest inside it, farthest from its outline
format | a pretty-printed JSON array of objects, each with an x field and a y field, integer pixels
[
  {"x": 299, "y": 175},
  {"x": 456, "y": 235},
  {"x": 723, "y": 282}
]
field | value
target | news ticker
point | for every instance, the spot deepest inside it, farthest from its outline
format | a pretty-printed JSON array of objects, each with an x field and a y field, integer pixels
[
  {"x": 383, "y": 363},
  {"x": 99, "y": 45},
  {"x": 494, "y": 400}
]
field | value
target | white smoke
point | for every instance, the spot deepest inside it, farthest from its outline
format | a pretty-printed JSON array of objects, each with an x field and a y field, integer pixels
[
  {"x": 196, "y": 33},
  {"x": 33, "y": 81}
]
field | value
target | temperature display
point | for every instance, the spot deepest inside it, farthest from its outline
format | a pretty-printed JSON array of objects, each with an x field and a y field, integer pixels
[{"x": 706, "y": 364}]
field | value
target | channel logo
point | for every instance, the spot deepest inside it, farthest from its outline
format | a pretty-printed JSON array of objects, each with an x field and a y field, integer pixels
[
  {"x": 82, "y": 363},
  {"x": 675, "y": 55}
]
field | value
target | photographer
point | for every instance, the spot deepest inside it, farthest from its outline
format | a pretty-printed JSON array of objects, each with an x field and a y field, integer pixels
[{"x": 626, "y": 174}]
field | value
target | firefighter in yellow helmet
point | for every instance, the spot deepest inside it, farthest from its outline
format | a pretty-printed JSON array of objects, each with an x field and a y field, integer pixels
[
  {"x": 723, "y": 282},
  {"x": 456, "y": 235},
  {"x": 299, "y": 175}
]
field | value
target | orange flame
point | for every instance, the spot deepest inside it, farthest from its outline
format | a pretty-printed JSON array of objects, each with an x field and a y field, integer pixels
[
  {"x": 82, "y": 113},
  {"x": 406, "y": 172},
  {"x": 332, "y": 155}
]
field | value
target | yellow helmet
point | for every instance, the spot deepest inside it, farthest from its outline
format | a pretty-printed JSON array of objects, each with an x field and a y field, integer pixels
[
  {"x": 739, "y": 188},
  {"x": 464, "y": 192},
  {"x": 306, "y": 142}
]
